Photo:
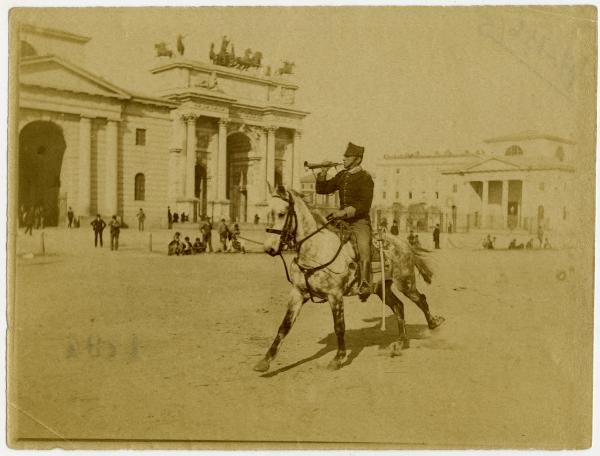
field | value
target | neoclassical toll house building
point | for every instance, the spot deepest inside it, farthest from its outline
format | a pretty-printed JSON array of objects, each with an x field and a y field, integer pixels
[{"x": 207, "y": 142}]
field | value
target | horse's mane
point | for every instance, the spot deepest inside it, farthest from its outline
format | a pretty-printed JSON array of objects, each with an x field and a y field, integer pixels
[{"x": 319, "y": 218}]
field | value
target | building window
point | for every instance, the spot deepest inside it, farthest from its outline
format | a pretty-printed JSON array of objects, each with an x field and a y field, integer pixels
[
  {"x": 140, "y": 187},
  {"x": 397, "y": 170},
  {"x": 437, "y": 195},
  {"x": 397, "y": 195},
  {"x": 140, "y": 137},
  {"x": 454, "y": 188},
  {"x": 409, "y": 195},
  {"x": 383, "y": 195}
]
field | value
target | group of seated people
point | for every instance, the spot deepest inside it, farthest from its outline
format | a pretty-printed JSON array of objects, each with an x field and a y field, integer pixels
[
  {"x": 185, "y": 247},
  {"x": 489, "y": 242}
]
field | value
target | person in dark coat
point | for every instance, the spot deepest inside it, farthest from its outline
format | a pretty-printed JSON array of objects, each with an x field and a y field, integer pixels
[
  {"x": 206, "y": 231},
  {"x": 70, "y": 216},
  {"x": 29, "y": 221},
  {"x": 98, "y": 225},
  {"x": 169, "y": 217},
  {"x": 436, "y": 236},
  {"x": 355, "y": 187},
  {"x": 394, "y": 229},
  {"x": 115, "y": 230}
]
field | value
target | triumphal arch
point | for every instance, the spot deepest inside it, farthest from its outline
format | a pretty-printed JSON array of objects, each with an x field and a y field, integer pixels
[{"x": 235, "y": 131}]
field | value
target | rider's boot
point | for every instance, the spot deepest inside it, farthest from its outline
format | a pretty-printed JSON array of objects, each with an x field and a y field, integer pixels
[{"x": 365, "y": 288}]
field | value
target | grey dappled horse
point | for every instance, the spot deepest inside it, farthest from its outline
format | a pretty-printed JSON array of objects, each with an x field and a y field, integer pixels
[{"x": 326, "y": 267}]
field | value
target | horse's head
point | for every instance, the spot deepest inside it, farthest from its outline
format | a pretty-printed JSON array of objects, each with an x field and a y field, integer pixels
[{"x": 283, "y": 220}]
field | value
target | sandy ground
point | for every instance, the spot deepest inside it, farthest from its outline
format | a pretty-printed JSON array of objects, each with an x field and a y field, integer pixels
[{"x": 137, "y": 345}]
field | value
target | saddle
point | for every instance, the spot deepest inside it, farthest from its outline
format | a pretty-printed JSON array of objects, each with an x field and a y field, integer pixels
[{"x": 342, "y": 229}]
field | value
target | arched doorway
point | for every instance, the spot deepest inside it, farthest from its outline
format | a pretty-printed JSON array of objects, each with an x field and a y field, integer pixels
[
  {"x": 238, "y": 148},
  {"x": 41, "y": 149}
]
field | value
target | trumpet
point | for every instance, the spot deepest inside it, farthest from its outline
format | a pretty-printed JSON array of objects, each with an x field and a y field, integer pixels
[{"x": 325, "y": 164}]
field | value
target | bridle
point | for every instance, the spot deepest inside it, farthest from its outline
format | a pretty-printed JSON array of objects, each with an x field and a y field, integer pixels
[
  {"x": 287, "y": 233},
  {"x": 287, "y": 237}
]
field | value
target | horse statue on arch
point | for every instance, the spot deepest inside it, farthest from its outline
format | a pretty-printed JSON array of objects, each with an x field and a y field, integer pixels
[
  {"x": 162, "y": 50},
  {"x": 326, "y": 267},
  {"x": 249, "y": 60}
]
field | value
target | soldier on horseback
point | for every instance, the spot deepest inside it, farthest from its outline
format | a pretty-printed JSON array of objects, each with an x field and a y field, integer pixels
[{"x": 355, "y": 188}]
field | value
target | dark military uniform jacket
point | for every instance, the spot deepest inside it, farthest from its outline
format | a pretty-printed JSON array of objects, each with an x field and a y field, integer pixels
[{"x": 355, "y": 189}]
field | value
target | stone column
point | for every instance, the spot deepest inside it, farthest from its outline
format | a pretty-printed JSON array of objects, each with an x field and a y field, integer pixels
[
  {"x": 190, "y": 154},
  {"x": 504, "y": 204},
  {"x": 85, "y": 166},
  {"x": 261, "y": 175},
  {"x": 177, "y": 143},
  {"x": 484, "y": 204},
  {"x": 297, "y": 161},
  {"x": 111, "y": 168},
  {"x": 271, "y": 155},
  {"x": 222, "y": 161}
]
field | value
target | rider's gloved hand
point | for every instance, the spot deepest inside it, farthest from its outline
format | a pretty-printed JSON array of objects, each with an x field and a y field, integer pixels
[{"x": 340, "y": 213}]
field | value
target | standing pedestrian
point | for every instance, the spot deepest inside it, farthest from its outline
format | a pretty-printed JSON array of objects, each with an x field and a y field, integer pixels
[
  {"x": 206, "y": 231},
  {"x": 540, "y": 235},
  {"x": 394, "y": 229},
  {"x": 169, "y": 218},
  {"x": 436, "y": 236},
  {"x": 115, "y": 230},
  {"x": 223, "y": 234},
  {"x": 98, "y": 225},
  {"x": 70, "y": 216},
  {"x": 141, "y": 217},
  {"x": 29, "y": 221}
]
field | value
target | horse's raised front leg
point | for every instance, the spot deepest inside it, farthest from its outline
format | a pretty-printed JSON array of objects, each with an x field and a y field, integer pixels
[
  {"x": 433, "y": 321},
  {"x": 295, "y": 302},
  {"x": 336, "y": 302},
  {"x": 397, "y": 307}
]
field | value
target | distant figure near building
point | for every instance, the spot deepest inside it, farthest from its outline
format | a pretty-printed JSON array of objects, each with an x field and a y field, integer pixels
[
  {"x": 187, "y": 246},
  {"x": 547, "y": 244},
  {"x": 529, "y": 244},
  {"x": 436, "y": 236},
  {"x": 198, "y": 246},
  {"x": 29, "y": 221},
  {"x": 256, "y": 219},
  {"x": 223, "y": 234},
  {"x": 115, "y": 230},
  {"x": 169, "y": 218},
  {"x": 206, "y": 231},
  {"x": 98, "y": 226},
  {"x": 70, "y": 216},
  {"x": 540, "y": 234},
  {"x": 514, "y": 246},
  {"x": 141, "y": 217},
  {"x": 394, "y": 229}
]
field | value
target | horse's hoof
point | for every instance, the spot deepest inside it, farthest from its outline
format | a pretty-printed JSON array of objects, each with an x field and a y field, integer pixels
[
  {"x": 436, "y": 321},
  {"x": 262, "y": 366},
  {"x": 395, "y": 349},
  {"x": 334, "y": 364}
]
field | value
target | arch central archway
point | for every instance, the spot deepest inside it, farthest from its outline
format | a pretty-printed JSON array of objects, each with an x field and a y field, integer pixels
[
  {"x": 41, "y": 149},
  {"x": 238, "y": 149}
]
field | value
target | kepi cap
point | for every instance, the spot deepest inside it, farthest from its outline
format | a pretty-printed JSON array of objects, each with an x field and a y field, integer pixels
[{"x": 354, "y": 151}]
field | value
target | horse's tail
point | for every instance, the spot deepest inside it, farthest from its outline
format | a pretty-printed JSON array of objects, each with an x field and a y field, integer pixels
[{"x": 417, "y": 254}]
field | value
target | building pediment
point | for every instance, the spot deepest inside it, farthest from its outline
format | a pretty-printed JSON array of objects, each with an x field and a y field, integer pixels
[
  {"x": 55, "y": 73},
  {"x": 491, "y": 164}
]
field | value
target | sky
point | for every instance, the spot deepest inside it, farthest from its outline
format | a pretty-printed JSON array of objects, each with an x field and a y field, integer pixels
[{"x": 393, "y": 80}]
